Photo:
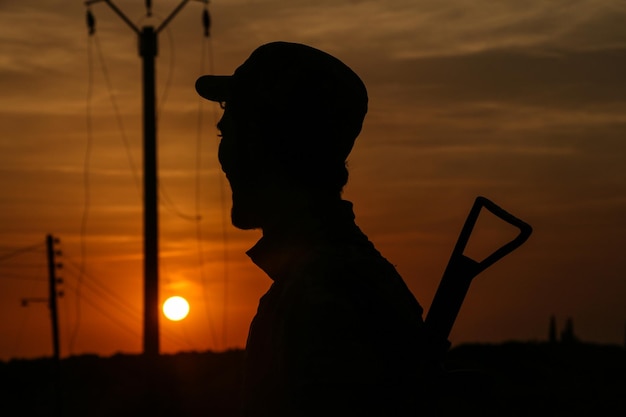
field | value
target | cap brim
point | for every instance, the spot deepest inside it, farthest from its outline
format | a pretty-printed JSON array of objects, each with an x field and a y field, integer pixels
[{"x": 214, "y": 87}]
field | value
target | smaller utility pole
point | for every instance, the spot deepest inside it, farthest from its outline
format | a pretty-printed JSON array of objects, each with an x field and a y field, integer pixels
[
  {"x": 54, "y": 317},
  {"x": 52, "y": 298}
]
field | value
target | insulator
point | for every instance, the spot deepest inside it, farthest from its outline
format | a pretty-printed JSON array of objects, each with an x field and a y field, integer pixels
[
  {"x": 149, "y": 7},
  {"x": 206, "y": 22},
  {"x": 59, "y": 265},
  {"x": 59, "y": 280},
  {"x": 58, "y": 253},
  {"x": 60, "y": 294},
  {"x": 91, "y": 22},
  {"x": 24, "y": 303}
]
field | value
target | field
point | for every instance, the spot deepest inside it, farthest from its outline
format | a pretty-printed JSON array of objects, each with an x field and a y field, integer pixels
[{"x": 510, "y": 379}]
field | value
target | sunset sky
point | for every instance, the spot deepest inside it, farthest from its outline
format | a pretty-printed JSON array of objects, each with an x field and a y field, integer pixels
[{"x": 523, "y": 102}]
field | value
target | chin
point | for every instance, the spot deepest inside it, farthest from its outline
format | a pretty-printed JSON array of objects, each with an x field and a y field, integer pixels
[{"x": 243, "y": 218}]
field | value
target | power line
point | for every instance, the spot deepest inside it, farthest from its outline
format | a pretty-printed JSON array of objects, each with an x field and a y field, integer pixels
[
  {"x": 22, "y": 278},
  {"x": 225, "y": 222},
  {"x": 109, "y": 296},
  {"x": 206, "y": 52},
  {"x": 22, "y": 265},
  {"x": 86, "y": 176},
  {"x": 106, "y": 294},
  {"x": 118, "y": 114},
  {"x": 102, "y": 310},
  {"x": 19, "y": 251},
  {"x": 105, "y": 313},
  {"x": 87, "y": 161},
  {"x": 164, "y": 197}
]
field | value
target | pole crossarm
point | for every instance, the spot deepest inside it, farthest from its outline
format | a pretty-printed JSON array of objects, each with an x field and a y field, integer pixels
[
  {"x": 174, "y": 13},
  {"x": 118, "y": 12},
  {"x": 171, "y": 16}
]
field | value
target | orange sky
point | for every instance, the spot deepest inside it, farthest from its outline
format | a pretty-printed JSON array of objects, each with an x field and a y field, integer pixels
[{"x": 523, "y": 102}]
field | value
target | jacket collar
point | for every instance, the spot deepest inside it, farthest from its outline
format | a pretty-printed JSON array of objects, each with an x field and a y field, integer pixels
[{"x": 277, "y": 254}]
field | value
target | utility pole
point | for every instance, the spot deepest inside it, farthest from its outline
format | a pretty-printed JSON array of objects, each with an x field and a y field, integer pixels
[
  {"x": 148, "y": 50},
  {"x": 54, "y": 316},
  {"x": 53, "y": 294},
  {"x": 52, "y": 298}
]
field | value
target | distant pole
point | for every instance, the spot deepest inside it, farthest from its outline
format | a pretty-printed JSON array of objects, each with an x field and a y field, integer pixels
[
  {"x": 52, "y": 298},
  {"x": 52, "y": 302},
  {"x": 148, "y": 50}
]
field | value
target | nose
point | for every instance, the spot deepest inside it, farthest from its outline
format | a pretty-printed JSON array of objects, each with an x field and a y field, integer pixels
[
  {"x": 228, "y": 152},
  {"x": 222, "y": 156},
  {"x": 221, "y": 152}
]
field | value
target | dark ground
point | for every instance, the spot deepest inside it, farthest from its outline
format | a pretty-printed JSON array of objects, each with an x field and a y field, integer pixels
[{"x": 518, "y": 379}]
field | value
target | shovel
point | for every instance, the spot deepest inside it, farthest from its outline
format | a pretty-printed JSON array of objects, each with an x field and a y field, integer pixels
[{"x": 460, "y": 272}]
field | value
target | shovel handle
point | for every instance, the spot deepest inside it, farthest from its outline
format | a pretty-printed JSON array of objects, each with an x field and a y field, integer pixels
[
  {"x": 461, "y": 270},
  {"x": 524, "y": 232}
]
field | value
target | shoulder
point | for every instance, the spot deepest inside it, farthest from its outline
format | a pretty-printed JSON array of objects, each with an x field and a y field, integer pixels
[{"x": 355, "y": 281}]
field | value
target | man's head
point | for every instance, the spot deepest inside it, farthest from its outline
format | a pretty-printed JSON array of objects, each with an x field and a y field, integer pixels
[{"x": 292, "y": 112}]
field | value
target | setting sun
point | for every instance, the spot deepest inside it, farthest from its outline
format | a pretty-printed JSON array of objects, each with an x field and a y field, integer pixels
[{"x": 176, "y": 308}]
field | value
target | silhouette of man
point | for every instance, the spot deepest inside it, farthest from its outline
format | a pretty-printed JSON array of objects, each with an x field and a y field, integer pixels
[{"x": 338, "y": 332}]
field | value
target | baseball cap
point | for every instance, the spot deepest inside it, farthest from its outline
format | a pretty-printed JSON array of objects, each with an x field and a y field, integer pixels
[{"x": 290, "y": 87}]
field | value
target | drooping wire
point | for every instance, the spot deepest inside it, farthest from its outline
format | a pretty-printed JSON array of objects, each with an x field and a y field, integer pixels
[
  {"x": 104, "y": 312},
  {"x": 206, "y": 21},
  {"x": 199, "y": 236},
  {"x": 18, "y": 251},
  {"x": 93, "y": 41},
  {"x": 102, "y": 291},
  {"x": 114, "y": 300},
  {"x": 118, "y": 115},
  {"x": 25, "y": 265},
  {"x": 91, "y": 23},
  {"x": 170, "y": 73},
  {"x": 164, "y": 197},
  {"x": 22, "y": 278}
]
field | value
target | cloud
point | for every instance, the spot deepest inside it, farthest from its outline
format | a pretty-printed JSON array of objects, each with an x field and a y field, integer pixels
[{"x": 404, "y": 29}]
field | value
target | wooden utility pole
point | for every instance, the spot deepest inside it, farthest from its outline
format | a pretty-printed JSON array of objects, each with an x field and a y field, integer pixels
[
  {"x": 53, "y": 294},
  {"x": 54, "y": 317},
  {"x": 148, "y": 50},
  {"x": 51, "y": 301}
]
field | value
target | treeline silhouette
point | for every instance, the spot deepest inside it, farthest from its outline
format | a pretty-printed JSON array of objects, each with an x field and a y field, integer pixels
[{"x": 525, "y": 379}]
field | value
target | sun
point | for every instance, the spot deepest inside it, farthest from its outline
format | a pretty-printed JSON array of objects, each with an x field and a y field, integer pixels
[{"x": 176, "y": 308}]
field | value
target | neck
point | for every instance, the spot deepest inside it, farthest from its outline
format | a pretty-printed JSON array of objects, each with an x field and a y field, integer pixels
[{"x": 293, "y": 212}]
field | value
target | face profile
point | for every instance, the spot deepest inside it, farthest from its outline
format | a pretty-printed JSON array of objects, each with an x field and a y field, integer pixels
[
  {"x": 245, "y": 176},
  {"x": 292, "y": 114}
]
